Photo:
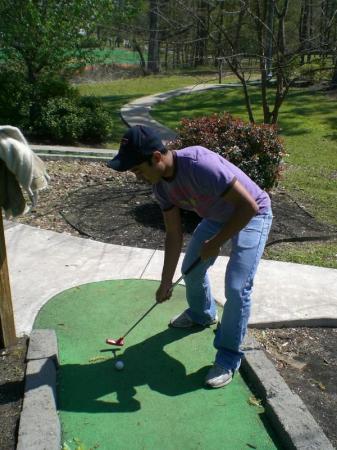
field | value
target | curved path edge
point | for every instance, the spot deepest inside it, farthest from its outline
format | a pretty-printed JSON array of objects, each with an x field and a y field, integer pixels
[{"x": 138, "y": 111}]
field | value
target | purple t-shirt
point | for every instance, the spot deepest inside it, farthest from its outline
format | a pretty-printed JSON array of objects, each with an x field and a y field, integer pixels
[{"x": 200, "y": 180}]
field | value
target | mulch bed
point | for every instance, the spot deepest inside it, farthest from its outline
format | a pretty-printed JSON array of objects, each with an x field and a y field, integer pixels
[
  {"x": 12, "y": 375},
  {"x": 87, "y": 199}
]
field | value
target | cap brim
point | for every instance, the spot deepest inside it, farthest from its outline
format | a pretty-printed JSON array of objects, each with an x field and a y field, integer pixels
[{"x": 118, "y": 164}]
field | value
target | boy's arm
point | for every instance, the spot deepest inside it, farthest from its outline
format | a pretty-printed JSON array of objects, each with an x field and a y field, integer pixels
[
  {"x": 173, "y": 243},
  {"x": 245, "y": 208}
]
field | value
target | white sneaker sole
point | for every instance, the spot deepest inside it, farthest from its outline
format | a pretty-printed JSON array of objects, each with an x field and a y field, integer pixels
[{"x": 208, "y": 384}]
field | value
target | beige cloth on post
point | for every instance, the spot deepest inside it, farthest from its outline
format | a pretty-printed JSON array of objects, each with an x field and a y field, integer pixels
[{"x": 22, "y": 167}]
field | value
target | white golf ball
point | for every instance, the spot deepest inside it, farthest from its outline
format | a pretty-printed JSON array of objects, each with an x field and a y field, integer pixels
[{"x": 119, "y": 365}]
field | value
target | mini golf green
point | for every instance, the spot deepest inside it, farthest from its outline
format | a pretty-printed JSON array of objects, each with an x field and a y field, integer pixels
[{"x": 158, "y": 401}]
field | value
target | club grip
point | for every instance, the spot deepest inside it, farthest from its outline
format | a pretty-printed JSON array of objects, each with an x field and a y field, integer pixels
[{"x": 195, "y": 263}]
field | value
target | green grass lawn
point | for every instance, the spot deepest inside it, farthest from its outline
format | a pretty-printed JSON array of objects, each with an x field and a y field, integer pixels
[
  {"x": 117, "y": 93},
  {"x": 116, "y": 55},
  {"x": 308, "y": 124}
]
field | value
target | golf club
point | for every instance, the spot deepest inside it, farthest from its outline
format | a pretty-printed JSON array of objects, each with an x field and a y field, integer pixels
[{"x": 120, "y": 341}]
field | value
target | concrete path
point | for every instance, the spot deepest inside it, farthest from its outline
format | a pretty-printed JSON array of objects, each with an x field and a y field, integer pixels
[
  {"x": 62, "y": 152},
  {"x": 138, "y": 111},
  {"x": 43, "y": 263}
]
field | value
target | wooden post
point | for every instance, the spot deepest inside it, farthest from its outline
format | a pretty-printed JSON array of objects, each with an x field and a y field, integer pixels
[{"x": 7, "y": 326}]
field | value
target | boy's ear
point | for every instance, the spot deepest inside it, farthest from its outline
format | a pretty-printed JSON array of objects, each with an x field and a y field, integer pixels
[{"x": 156, "y": 156}]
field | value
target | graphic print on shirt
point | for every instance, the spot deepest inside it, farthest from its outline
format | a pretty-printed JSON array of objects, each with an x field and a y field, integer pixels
[{"x": 187, "y": 198}]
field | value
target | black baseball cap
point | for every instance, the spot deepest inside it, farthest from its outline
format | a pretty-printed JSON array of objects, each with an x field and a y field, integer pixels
[{"x": 137, "y": 144}]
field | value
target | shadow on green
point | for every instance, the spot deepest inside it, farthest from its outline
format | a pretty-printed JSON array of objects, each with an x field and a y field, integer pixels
[{"x": 146, "y": 363}]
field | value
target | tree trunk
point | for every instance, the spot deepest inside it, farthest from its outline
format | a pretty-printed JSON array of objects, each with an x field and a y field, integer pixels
[
  {"x": 136, "y": 47},
  {"x": 263, "y": 36},
  {"x": 219, "y": 52},
  {"x": 304, "y": 29},
  {"x": 166, "y": 57},
  {"x": 282, "y": 82},
  {"x": 333, "y": 82},
  {"x": 247, "y": 102},
  {"x": 269, "y": 38},
  {"x": 202, "y": 33},
  {"x": 153, "y": 51}
]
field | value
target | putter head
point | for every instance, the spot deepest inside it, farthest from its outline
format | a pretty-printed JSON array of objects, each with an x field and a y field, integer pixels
[{"x": 119, "y": 342}]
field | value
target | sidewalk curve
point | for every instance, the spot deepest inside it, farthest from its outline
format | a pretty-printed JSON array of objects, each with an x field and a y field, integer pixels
[
  {"x": 138, "y": 111},
  {"x": 44, "y": 263}
]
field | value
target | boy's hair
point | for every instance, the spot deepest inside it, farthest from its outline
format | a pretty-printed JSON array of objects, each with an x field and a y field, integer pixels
[{"x": 148, "y": 158}]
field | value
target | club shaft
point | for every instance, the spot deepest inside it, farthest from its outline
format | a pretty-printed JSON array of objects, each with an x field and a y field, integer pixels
[
  {"x": 195, "y": 263},
  {"x": 139, "y": 320}
]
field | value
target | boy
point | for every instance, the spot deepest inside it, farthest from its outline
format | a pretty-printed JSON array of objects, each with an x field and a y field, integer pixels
[{"x": 231, "y": 206}]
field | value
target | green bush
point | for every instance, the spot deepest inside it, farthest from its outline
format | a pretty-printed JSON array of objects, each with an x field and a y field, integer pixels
[
  {"x": 51, "y": 109},
  {"x": 70, "y": 120},
  {"x": 62, "y": 120},
  {"x": 98, "y": 123},
  {"x": 21, "y": 102},
  {"x": 49, "y": 87},
  {"x": 15, "y": 96},
  {"x": 255, "y": 149}
]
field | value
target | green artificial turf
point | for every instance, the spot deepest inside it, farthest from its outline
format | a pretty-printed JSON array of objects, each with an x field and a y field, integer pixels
[{"x": 158, "y": 400}]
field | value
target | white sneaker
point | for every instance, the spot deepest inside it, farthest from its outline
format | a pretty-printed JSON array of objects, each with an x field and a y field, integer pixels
[
  {"x": 183, "y": 320},
  {"x": 218, "y": 377}
]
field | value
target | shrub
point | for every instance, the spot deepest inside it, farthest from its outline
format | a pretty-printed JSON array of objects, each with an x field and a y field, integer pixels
[
  {"x": 14, "y": 98},
  {"x": 50, "y": 108},
  {"x": 62, "y": 120},
  {"x": 72, "y": 119},
  {"x": 255, "y": 149},
  {"x": 48, "y": 87},
  {"x": 21, "y": 102},
  {"x": 98, "y": 123}
]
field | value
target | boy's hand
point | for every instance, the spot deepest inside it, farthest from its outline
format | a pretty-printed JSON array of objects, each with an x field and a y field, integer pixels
[{"x": 164, "y": 292}]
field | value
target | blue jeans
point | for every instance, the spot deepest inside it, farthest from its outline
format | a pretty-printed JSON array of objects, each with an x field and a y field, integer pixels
[{"x": 247, "y": 249}]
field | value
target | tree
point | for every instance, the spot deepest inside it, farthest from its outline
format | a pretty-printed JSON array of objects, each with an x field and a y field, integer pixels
[
  {"x": 44, "y": 38},
  {"x": 154, "y": 44},
  {"x": 202, "y": 32},
  {"x": 259, "y": 36}
]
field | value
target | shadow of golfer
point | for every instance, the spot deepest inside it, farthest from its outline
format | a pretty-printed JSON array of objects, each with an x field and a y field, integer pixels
[{"x": 83, "y": 386}]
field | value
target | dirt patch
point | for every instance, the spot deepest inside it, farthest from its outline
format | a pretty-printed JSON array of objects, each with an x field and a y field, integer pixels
[
  {"x": 88, "y": 199},
  {"x": 127, "y": 214},
  {"x": 111, "y": 207},
  {"x": 106, "y": 72},
  {"x": 307, "y": 360},
  {"x": 12, "y": 373}
]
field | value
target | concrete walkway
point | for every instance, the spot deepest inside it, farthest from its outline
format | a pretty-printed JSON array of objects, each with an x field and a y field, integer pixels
[
  {"x": 43, "y": 263},
  {"x": 137, "y": 112}
]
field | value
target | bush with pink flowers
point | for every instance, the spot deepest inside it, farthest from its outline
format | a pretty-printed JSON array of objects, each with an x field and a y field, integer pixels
[{"x": 256, "y": 149}]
